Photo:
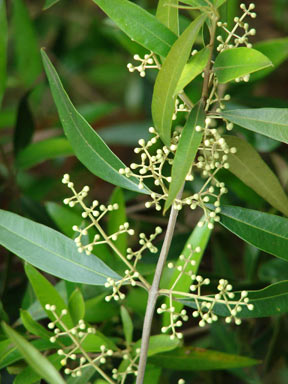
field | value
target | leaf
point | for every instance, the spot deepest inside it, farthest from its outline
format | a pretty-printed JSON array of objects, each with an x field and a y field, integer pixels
[
  {"x": 33, "y": 326},
  {"x": 98, "y": 310},
  {"x": 249, "y": 167},
  {"x": 34, "y": 358},
  {"x": 29, "y": 376},
  {"x": 273, "y": 270},
  {"x": 126, "y": 134},
  {"x": 3, "y": 48},
  {"x": 199, "y": 359},
  {"x": 87, "y": 144},
  {"x": 87, "y": 373},
  {"x": 44, "y": 150},
  {"x": 271, "y": 122},
  {"x": 186, "y": 151},
  {"x": 51, "y": 251},
  {"x": 193, "y": 68},
  {"x": 49, "y": 3},
  {"x": 163, "y": 101},
  {"x": 263, "y": 230},
  {"x": 276, "y": 50},
  {"x": 26, "y": 44},
  {"x": 127, "y": 325},
  {"x": 139, "y": 25},
  {"x": 64, "y": 218},
  {"x": 167, "y": 13},
  {"x": 270, "y": 301},
  {"x": 198, "y": 238},
  {"x": 25, "y": 126},
  {"x": 76, "y": 306},
  {"x": 152, "y": 374},
  {"x": 10, "y": 354},
  {"x": 237, "y": 62},
  {"x": 159, "y": 344},
  {"x": 47, "y": 294}
]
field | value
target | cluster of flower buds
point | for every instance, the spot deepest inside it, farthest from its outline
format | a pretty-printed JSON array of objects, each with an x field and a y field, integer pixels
[
  {"x": 148, "y": 62},
  {"x": 180, "y": 106},
  {"x": 128, "y": 367},
  {"x": 146, "y": 243},
  {"x": 77, "y": 335},
  {"x": 176, "y": 320},
  {"x": 240, "y": 24},
  {"x": 225, "y": 296},
  {"x": 94, "y": 213}
]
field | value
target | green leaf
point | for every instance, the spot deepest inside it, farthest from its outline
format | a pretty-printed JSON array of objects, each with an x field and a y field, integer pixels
[
  {"x": 139, "y": 25},
  {"x": 167, "y": 13},
  {"x": 64, "y": 218},
  {"x": 198, "y": 238},
  {"x": 196, "y": 3},
  {"x": 237, "y": 62},
  {"x": 193, "y": 68},
  {"x": 49, "y": 3},
  {"x": 163, "y": 101},
  {"x": 76, "y": 306},
  {"x": 26, "y": 44},
  {"x": 29, "y": 376},
  {"x": 249, "y": 167},
  {"x": 3, "y": 48},
  {"x": 159, "y": 344},
  {"x": 152, "y": 374},
  {"x": 87, "y": 144},
  {"x": 25, "y": 126},
  {"x": 98, "y": 310},
  {"x": 186, "y": 151},
  {"x": 270, "y": 301},
  {"x": 276, "y": 50},
  {"x": 33, "y": 326},
  {"x": 47, "y": 294},
  {"x": 51, "y": 251},
  {"x": 38, "y": 362},
  {"x": 87, "y": 373},
  {"x": 199, "y": 359},
  {"x": 127, "y": 325},
  {"x": 271, "y": 122},
  {"x": 44, "y": 150},
  {"x": 263, "y": 230},
  {"x": 10, "y": 354},
  {"x": 273, "y": 270}
]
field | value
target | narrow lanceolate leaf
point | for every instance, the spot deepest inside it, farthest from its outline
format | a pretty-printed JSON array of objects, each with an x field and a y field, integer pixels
[
  {"x": 167, "y": 13},
  {"x": 139, "y": 25},
  {"x": 249, "y": 167},
  {"x": 38, "y": 362},
  {"x": 26, "y": 45},
  {"x": 199, "y": 359},
  {"x": 49, "y": 3},
  {"x": 263, "y": 230},
  {"x": 271, "y": 122},
  {"x": 51, "y": 251},
  {"x": 163, "y": 102},
  {"x": 87, "y": 144},
  {"x": 270, "y": 301},
  {"x": 159, "y": 344},
  {"x": 186, "y": 151},
  {"x": 3, "y": 48},
  {"x": 238, "y": 62},
  {"x": 127, "y": 325},
  {"x": 43, "y": 150},
  {"x": 198, "y": 238},
  {"x": 46, "y": 293},
  {"x": 276, "y": 50},
  {"x": 192, "y": 69}
]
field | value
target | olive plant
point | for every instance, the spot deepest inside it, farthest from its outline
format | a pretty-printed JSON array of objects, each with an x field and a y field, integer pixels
[{"x": 192, "y": 139}]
